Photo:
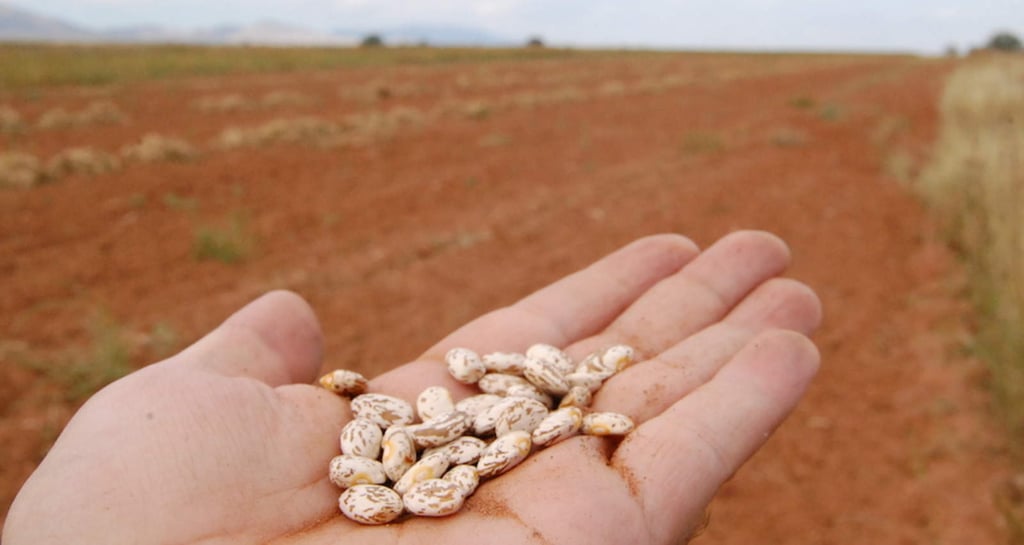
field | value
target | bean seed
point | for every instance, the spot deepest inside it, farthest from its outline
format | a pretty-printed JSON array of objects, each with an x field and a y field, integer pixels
[
  {"x": 344, "y": 382},
  {"x": 439, "y": 430},
  {"x": 434, "y": 498},
  {"x": 612, "y": 359},
  {"x": 466, "y": 476},
  {"x": 578, "y": 396},
  {"x": 552, "y": 355},
  {"x": 510, "y": 363},
  {"x": 504, "y": 453},
  {"x": 434, "y": 401},
  {"x": 545, "y": 376},
  {"x": 432, "y": 466},
  {"x": 484, "y": 422},
  {"x": 370, "y": 504},
  {"x": 360, "y": 437},
  {"x": 399, "y": 452},
  {"x": 607, "y": 424},
  {"x": 464, "y": 450},
  {"x": 347, "y": 471},
  {"x": 464, "y": 365},
  {"x": 558, "y": 425},
  {"x": 474, "y": 405},
  {"x": 383, "y": 410},
  {"x": 591, "y": 380},
  {"x": 498, "y": 383},
  {"x": 530, "y": 391},
  {"x": 522, "y": 414}
]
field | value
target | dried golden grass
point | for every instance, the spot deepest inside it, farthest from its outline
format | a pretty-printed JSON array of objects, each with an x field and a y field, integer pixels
[
  {"x": 20, "y": 170},
  {"x": 10, "y": 119},
  {"x": 95, "y": 113},
  {"x": 296, "y": 130},
  {"x": 233, "y": 102},
  {"x": 975, "y": 183},
  {"x": 82, "y": 160},
  {"x": 156, "y": 147}
]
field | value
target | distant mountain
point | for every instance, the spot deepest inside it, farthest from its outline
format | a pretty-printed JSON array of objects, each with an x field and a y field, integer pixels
[{"x": 21, "y": 25}]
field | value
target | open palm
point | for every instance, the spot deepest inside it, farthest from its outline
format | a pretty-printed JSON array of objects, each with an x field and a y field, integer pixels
[{"x": 227, "y": 442}]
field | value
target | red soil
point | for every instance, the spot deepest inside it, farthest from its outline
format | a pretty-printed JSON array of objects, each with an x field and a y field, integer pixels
[{"x": 400, "y": 238}]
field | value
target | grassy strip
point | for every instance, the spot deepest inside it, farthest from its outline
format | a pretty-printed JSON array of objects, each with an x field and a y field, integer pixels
[
  {"x": 28, "y": 66},
  {"x": 975, "y": 183}
]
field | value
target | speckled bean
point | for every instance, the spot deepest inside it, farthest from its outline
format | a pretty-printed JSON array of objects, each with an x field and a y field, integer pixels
[
  {"x": 434, "y": 498},
  {"x": 344, "y": 382},
  {"x": 347, "y": 471},
  {"x": 360, "y": 437},
  {"x": 371, "y": 504},
  {"x": 434, "y": 401},
  {"x": 383, "y": 410},
  {"x": 464, "y": 365},
  {"x": 558, "y": 425},
  {"x": 607, "y": 423},
  {"x": 504, "y": 453}
]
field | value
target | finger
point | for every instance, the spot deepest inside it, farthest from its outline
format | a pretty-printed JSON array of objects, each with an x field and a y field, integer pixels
[
  {"x": 576, "y": 306},
  {"x": 698, "y": 295},
  {"x": 676, "y": 461},
  {"x": 275, "y": 339},
  {"x": 664, "y": 379}
]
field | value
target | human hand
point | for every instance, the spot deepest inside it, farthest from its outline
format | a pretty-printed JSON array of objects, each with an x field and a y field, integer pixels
[{"x": 227, "y": 442}]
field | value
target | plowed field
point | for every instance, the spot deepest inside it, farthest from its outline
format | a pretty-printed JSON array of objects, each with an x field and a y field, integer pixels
[{"x": 403, "y": 201}]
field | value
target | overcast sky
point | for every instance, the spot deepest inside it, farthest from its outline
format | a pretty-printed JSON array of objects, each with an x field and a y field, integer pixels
[{"x": 919, "y": 25}]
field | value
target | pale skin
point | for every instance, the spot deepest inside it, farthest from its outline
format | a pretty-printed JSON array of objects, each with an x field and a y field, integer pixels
[{"x": 228, "y": 441}]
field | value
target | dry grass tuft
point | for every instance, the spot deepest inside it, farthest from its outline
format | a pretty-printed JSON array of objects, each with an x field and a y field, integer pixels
[
  {"x": 299, "y": 130},
  {"x": 975, "y": 183},
  {"x": 96, "y": 113},
  {"x": 20, "y": 170},
  {"x": 222, "y": 104},
  {"x": 10, "y": 119},
  {"x": 232, "y": 103},
  {"x": 82, "y": 160},
  {"x": 285, "y": 99},
  {"x": 155, "y": 147}
]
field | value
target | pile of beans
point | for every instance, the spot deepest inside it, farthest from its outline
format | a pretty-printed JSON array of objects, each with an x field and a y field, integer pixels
[{"x": 427, "y": 460}]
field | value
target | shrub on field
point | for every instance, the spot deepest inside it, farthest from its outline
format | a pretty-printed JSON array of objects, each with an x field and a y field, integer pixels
[
  {"x": 307, "y": 130},
  {"x": 155, "y": 147},
  {"x": 96, "y": 113},
  {"x": 285, "y": 99},
  {"x": 57, "y": 118},
  {"x": 101, "y": 113},
  {"x": 222, "y": 104},
  {"x": 613, "y": 88},
  {"x": 82, "y": 160},
  {"x": 375, "y": 124},
  {"x": 20, "y": 170},
  {"x": 10, "y": 119}
]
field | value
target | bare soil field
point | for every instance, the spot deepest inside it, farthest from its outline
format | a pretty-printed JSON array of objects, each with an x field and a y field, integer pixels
[{"x": 403, "y": 201}]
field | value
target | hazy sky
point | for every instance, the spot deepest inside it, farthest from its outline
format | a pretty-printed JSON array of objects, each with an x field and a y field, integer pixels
[{"x": 918, "y": 25}]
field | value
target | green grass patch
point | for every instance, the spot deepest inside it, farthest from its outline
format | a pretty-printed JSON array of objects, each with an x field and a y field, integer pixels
[
  {"x": 697, "y": 142},
  {"x": 229, "y": 241},
  {"x": 84, "y": 371},
  {"x": 27, "y": 66}
]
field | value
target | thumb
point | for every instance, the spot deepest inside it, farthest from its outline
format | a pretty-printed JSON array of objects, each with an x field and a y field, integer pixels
[{"x": 275, "y": 339}]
